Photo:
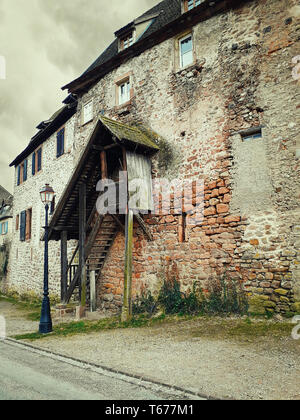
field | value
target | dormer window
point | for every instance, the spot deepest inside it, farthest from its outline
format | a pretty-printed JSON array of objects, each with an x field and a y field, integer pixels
[
  {"x": 127, "y": 41},
  {"x": 190, "y": 4}
]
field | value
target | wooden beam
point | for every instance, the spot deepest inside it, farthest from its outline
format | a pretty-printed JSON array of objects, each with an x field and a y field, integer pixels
[
  {"x": 144, "y": 226},
  {"x": 116, "y": 218},
  {"x": 64, "y": 264},
  {"x": 127, "y": 306},
  {"x": 103, "y": 160},
  {"x": 103, "y": 148},
  {"x": 82, "y": 237}
]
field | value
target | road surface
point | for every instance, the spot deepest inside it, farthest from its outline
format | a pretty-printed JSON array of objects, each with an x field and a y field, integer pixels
[{"x": 33, "y": 375}]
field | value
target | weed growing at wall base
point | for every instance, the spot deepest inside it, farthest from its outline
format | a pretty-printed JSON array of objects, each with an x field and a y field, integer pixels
[{"x": 225, "y": 296}]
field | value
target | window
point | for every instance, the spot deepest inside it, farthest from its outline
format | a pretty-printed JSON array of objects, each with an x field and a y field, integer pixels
[
  {"x": 87, "y": 112},
  {"x": 252, "y": 134},
  {"x": 28, "y": 224},
  {"x": 4, "y": 228},
  {"x": 127, "y": 41},
  {"x": 186, "y": 51},
  {"x": 190, "y": 4},
  {"x": 25, "y": 225},
  {"x": 17, "y": 221},
  {"x": 124, "y": 92},
  {"x": 60, "y": 143},
  {"x": 37, "y": 161},
  {"x": 22, "y": 172}
]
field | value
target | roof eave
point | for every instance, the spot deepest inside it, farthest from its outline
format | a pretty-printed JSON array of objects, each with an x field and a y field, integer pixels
[{"x": 202, "y": 12}]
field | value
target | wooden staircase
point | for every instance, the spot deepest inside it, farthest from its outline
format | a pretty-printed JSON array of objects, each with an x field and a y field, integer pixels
[{"x": 101, "y": 233}]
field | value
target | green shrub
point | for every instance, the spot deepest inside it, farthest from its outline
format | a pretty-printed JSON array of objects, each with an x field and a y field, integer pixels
[
  {"x": 225, "y": 296},
  {"x": 144, "y": 304}
]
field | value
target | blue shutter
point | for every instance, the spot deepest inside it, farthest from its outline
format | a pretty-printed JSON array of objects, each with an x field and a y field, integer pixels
[
  {"x": 60, "y": 143},
  {"x": 1, "y": 224},
  {"x": 58, "y": 146},
  {"x": 19, "y": 175},
  {"x": 39, "y": 158},
  {"x": 5, "y": 228},
  {"x": 23, "y": 226},
  {"x": 33, "y": 163},
  {"x": 25, "y": 170}
]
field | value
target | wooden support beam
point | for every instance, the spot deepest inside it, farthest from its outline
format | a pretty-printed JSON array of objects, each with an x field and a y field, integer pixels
[
  {"x": 64, "y": 265},
  {"x": 144, "y": 226},
  {"x": 116, "y": 218},
  {"x": 127, "y": 306},
  {"x": 82, "y": 238},
  {"x": 102, "y": 148},
  {"x": 104, "y": 174}
]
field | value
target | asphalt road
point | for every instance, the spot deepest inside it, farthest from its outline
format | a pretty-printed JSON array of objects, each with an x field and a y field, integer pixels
[{"x": 28, "y": 375}]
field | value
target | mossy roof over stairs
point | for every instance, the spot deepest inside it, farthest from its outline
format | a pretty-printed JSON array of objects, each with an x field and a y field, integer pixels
[{"x": 130, "y": 133}]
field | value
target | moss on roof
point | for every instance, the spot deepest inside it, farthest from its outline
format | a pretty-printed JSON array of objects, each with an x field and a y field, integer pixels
[{"x": 130, "y": 133}]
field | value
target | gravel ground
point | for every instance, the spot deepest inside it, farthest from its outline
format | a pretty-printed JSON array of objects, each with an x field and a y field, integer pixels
[{"x": 241, "y": 368}]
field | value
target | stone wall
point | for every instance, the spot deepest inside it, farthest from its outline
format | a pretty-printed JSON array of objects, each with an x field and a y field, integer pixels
[{"x": 242, "y": 77}]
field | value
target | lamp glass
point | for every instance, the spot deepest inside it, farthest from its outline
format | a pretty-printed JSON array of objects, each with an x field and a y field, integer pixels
[{"x": 47, "y": 194}]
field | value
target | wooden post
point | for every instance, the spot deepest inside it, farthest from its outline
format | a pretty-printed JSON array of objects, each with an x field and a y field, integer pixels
[
  {"x": 93, "y": 291},
  {"x": 127, "y": 307},
  {"x": 82, "y": 237},
  {"x": 64, "y": 264},
  {"x": 104, "y": 174}
]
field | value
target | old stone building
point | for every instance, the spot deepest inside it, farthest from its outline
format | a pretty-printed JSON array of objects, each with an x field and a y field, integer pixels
[
  {"x": 48, "y": 158},
  {"x": 214, "y": 88}
]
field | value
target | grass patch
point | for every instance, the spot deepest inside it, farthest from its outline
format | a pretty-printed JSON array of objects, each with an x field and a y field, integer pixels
[
  {"x": 247, "y": 329},
  {"x": 86, "y": 327}
]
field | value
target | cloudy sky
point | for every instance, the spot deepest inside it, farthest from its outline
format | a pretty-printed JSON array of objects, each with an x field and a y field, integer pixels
[{"x": 46, "y": 44}]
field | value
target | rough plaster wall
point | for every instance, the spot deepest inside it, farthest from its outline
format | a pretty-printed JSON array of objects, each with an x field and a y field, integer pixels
[{"x": 252, "y": 187}]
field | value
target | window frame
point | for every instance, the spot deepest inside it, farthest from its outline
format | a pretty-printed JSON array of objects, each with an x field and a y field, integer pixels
[
  {"x": 186, "y": 5},
  {"x": 35, "y": 169},
  {"x": 26, "y": 225},
  {"x": 121, "y": 81},
  {"x": 180, "y": 41},
  {"x": 129, "y": 36},
  {"x": 84, "y": 106},
  {"x": 22, "y": 172},
  {"x": 60, "y": 152},
  {"x": 123, "y": 99}
]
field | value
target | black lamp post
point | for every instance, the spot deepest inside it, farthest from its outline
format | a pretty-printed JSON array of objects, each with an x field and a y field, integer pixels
[{"x": 47, "y": 195}]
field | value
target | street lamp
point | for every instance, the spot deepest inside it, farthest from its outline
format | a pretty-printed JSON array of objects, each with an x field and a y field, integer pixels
[{"x": 47, "y": 195}]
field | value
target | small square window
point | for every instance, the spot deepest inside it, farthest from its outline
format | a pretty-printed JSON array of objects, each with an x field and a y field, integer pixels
[
  {"x": 87, "y": 112},
  {"x": 127, "y": 41},
  {"x": 190, "y": 4},
  {"x": 256, "y": 134},
  {"x": 186, "y": 51}
]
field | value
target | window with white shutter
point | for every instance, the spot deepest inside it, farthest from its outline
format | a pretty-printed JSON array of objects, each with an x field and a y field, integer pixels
[{"x": 87, "y": 112}]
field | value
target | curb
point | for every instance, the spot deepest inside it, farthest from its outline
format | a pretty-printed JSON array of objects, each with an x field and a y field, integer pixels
[{"x": 125, "y": 376}]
